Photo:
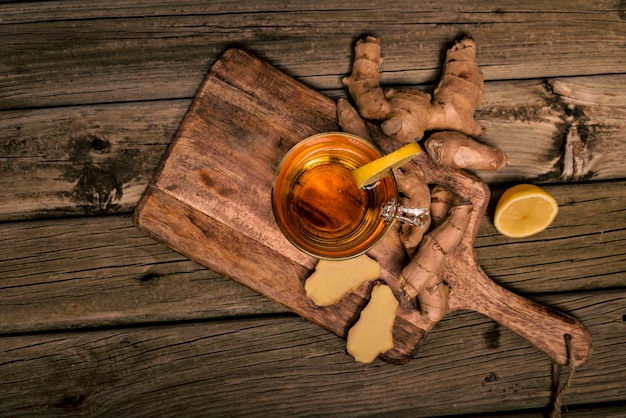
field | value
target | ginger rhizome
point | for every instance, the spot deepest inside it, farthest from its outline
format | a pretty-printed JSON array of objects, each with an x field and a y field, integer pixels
[
  {"x": 350, "y": 120},
  {"x": 433, "y": 300},
  {"x": 408, "y": 113},
  {"x": 415, "y": 194},
  {"x": 424, "y": 268},
  {"x": 441, "y": 200},
  {"x": 454, "y": 149}
]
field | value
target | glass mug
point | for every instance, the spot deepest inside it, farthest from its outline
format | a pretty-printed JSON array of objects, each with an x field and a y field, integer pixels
[{"x": 319, "y": 208}]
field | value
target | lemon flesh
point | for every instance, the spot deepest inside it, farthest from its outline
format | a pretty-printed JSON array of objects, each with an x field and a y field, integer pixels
[
  {"x": 371, "y": 172},
  {"x": 524, "y": 210}
]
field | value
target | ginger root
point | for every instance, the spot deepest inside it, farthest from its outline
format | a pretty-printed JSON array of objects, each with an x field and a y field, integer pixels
[
  {"x": 408, "y": 113},
  {"x": 414, "y": 193},
  {"x": 425, "y": 266},
  {"x": 433, "y": 300},
  {"x": 454, "y": 149},
  {"x": 332, "y": 280},
  {"x": 373, "y": 332},
  {"x": 422, "y": 275},
  {"x": 441, "y": 200},
  {"x": 364, "y": 82},
  {"x": 350, "y": 120}
]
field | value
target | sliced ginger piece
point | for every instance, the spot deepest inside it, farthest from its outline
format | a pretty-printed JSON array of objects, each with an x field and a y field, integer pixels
[
  {"x": 373, "y": 333},
  {"x": 333, "y": 279}
]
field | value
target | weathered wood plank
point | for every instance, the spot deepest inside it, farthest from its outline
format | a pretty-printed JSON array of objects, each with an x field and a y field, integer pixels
[
  {"x": 564, "y": 129},
  {"x": 429, "y": 11},
  {"x": 286, "y": 366},
  {"x": 604, "y": 410},
  {"x": 102, "y": 271},
  {"x": 99, "y": 159},
  {"x": 55, "y": 53},
  {"x": 85, "y": 159},
  {"x": 87, "y": 272}
]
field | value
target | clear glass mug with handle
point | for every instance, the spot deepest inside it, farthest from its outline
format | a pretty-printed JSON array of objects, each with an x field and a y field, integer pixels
[{"x": 320, "y": 209}]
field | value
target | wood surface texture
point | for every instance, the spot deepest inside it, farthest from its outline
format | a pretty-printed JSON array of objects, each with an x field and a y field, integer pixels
[{"x": 96, "y": 318}]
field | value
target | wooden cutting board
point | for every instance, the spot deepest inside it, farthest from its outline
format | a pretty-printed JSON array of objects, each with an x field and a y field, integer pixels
[{"x": 210, "y": 200}]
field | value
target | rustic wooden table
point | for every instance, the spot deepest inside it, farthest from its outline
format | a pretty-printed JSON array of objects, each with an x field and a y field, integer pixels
[{"x": 96, "y": 318}]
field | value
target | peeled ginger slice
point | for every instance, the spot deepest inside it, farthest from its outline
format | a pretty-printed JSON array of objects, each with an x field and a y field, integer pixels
[
  {"x": 373, "y": 333},
  {"x": 333, "y": 279}
]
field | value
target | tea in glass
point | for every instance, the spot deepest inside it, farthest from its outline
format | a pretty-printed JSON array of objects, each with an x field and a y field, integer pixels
[{"x": 317, "y": 204}]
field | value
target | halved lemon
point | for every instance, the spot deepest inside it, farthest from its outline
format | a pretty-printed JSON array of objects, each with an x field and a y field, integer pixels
[
  {"x": 369, "y": 173},
  {"x": 524, "y": 210}
]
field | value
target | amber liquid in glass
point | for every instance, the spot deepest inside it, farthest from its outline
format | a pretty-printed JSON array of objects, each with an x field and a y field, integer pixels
[
  {"x": 326, "y": 203},
  {"x": 318, "y": 205}
]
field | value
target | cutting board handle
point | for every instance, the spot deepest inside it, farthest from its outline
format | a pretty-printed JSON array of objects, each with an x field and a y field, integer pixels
[{"x": 543, "y": 327}]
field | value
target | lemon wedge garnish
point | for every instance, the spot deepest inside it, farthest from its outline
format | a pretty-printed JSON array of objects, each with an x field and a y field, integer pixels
[
  {"x": 524, "y": 210},
  {"x": 369, "y": 173}
]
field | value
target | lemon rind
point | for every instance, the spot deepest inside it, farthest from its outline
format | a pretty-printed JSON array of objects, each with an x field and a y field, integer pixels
[{"x": 387, "y": 162}]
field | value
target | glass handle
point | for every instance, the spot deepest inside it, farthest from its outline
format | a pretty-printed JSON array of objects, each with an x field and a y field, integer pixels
[{"x": 414, "y": 216}]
